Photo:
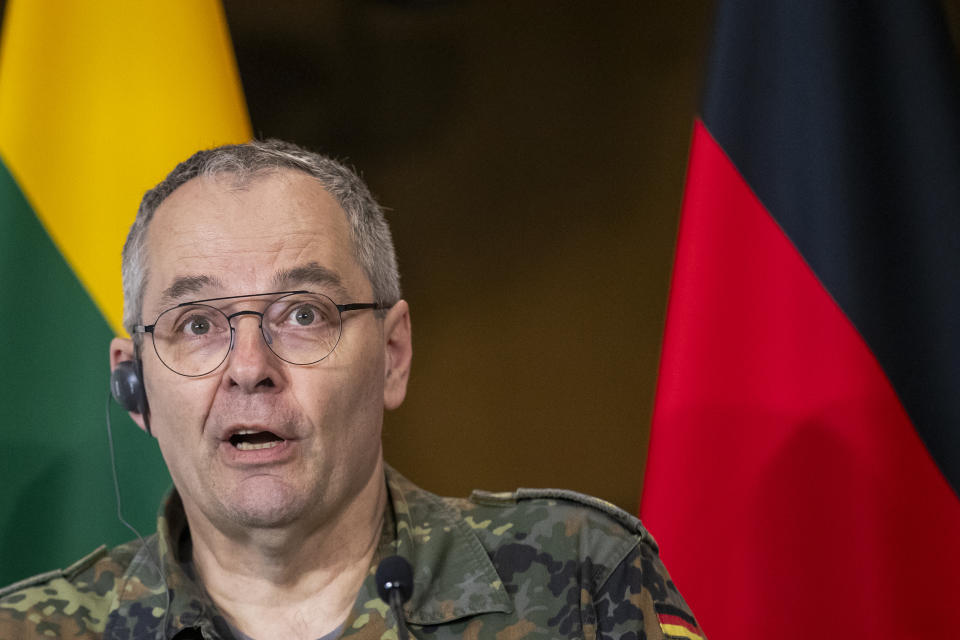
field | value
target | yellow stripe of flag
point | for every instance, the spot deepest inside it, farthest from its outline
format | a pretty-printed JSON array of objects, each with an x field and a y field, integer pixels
[{"x": 98, "y": 100}]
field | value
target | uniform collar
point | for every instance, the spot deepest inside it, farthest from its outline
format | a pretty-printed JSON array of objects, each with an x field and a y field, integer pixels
[
  {"x": 155, "y": 574},
  {"x": 453, "y": 575}
]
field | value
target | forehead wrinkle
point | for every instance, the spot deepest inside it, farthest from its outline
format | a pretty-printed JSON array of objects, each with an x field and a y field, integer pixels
[{"x": 309, "y": 274}]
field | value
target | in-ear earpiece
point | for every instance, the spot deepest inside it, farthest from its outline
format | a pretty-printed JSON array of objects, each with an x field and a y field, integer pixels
[{"x": 126, "y": 386}]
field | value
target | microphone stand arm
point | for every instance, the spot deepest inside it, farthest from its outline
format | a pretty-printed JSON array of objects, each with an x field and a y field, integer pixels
[{"x": 396, "y": 605}]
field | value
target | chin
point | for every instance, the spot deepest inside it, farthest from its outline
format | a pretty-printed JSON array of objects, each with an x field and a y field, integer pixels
[{"x": 265, "y": 505}]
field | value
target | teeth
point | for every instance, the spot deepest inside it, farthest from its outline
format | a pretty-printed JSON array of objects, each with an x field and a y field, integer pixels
[
  {"x": 245, "y": 432},
  {"x": 249, "y": 446}
]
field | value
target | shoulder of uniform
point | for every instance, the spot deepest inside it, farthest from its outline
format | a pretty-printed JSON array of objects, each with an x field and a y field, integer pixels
[
  {"x": 564, "y": 496},
  {"x": 68, "y": 573}
]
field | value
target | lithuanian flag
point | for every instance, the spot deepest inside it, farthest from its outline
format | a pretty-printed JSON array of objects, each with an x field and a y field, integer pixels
[
  {"x": 804, "y": 462},
  {"x": 98, "y": 100}
]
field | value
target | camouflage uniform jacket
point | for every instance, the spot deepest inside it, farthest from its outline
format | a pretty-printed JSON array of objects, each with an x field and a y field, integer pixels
[{"x": 529, "y": 564}]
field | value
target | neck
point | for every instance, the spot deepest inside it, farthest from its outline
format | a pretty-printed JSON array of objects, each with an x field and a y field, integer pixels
[{"x": 289, "y": 582}]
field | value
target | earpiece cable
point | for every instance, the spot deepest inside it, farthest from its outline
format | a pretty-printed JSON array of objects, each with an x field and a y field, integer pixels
[{"x": 157, "y": 565}]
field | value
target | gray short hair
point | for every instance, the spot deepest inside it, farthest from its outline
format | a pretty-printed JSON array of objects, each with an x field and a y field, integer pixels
[{"x": 372, "y": 242}]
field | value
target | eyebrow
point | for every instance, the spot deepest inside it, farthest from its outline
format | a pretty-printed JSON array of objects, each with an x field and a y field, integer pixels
[
  {"x": 310, "y": 273},
  {"x": 186, "y": 285}
]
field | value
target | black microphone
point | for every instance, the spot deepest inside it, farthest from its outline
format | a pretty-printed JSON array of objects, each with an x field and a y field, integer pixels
[{"x": 395, "y": 586}]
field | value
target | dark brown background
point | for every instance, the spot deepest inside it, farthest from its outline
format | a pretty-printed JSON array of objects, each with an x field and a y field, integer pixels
[{"x": 532, "y": 155}]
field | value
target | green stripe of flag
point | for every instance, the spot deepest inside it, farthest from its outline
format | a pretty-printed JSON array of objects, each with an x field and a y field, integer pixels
[{"x": 58, "y": 492}]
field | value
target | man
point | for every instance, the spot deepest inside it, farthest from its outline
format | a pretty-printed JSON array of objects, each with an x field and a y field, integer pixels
[{"x": 266, "y": 279}]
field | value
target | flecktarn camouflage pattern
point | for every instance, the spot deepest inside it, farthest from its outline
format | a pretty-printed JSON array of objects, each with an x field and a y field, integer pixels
[{"x": 528, "y": 564}]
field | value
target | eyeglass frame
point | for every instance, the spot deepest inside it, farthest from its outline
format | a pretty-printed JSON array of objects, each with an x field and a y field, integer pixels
[{"x": 352, "y": 306}]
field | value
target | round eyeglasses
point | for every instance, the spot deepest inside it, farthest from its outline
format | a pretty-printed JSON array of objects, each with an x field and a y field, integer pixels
[{"x": 300, "y": 327}]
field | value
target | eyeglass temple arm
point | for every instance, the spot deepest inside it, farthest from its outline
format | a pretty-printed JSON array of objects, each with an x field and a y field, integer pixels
[{"x": 354, "y": 306}]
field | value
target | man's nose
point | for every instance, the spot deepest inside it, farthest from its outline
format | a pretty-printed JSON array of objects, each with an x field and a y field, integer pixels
[{"x": 251, "y": 365}]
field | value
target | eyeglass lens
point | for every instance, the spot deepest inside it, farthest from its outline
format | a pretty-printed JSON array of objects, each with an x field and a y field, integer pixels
[{"x": 195, "y": 339}]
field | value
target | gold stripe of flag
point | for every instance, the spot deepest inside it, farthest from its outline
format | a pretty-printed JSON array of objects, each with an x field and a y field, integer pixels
[{"x": 99, "y": 99}]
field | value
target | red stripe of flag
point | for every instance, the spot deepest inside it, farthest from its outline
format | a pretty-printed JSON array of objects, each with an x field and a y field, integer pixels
[{"x": 789, "y": 491}]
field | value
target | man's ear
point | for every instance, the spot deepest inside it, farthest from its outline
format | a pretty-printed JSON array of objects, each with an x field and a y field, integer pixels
[
  {"x": 398, "y": 347},
  {"x": 122, "y": 350}
]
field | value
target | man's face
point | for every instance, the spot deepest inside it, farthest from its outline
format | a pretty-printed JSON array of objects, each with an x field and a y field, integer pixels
[{"x": 279, "y": 232}]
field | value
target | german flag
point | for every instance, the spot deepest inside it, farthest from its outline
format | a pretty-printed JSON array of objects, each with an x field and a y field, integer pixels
[
  {"x": 678, "y": 627},
  {"x": 98, "y": 100},
  {"x": 805, "y": 454}
]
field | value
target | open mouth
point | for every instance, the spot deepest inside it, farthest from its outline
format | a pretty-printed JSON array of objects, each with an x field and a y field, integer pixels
[{"x": 250, "y": 440}]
